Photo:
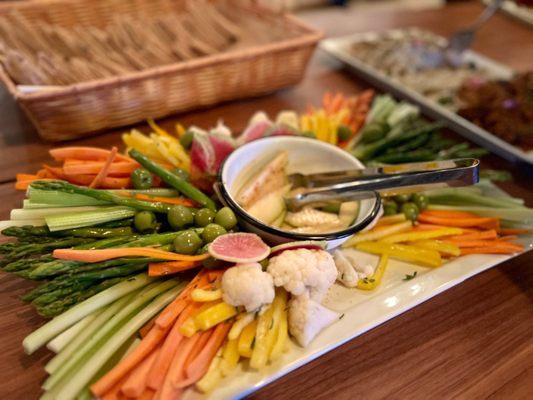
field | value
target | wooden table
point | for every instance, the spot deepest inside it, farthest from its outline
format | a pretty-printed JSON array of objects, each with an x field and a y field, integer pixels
[{"x": 473, "y": 341}]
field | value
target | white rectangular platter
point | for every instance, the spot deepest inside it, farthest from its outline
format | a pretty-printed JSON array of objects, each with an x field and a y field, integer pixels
[
  {"x": 363, "y": 311},
  {"x": 339, "y": 48}
]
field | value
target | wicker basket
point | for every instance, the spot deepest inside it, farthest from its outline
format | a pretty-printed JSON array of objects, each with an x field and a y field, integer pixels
[{"x": 81, "y": 109}]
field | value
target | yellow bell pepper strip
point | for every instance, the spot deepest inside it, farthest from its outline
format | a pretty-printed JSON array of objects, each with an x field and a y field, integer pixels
[
  {"x": 283, "y": 336},
  {"x": 180, "y": 130},
  {"x": 425, "y": 257},
  {"x": 202, "y": 295},
  {"x": 391, "y": 219},
  {"x": 214, "y": 315},
  {"x": 374, "y": 281},
  {"x": 157, "y": 129},
  {"x": 189, "y": 326},
  {"x": 213, "y": 375},
  {"x": 378, "y": 233},
  {"x": 260, "y": 351},
  {"x": 230, "y": 357},
  {"x": 246, "y": 340},
  {"x": 423, "y": 235},
  {"x": 162, "y": 147},
  {"x": 278, "y": 305},
  {"x": 242, "y": 320},
  {"x": 442, "y": 247}
]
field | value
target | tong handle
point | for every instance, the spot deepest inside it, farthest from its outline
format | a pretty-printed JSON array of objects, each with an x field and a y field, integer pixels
[{"x": 403, "y": 177}]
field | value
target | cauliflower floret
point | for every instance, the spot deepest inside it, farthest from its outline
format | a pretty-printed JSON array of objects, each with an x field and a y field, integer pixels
[
  {"x": 346, "y": 273},
  {"x": 247, "y": 285},
  {"x": 307, "y": 318},
  {"x": 362, "y": 266},
  {"x": 303, "y": 271}
]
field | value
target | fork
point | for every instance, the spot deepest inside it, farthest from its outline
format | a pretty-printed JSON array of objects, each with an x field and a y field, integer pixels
[{"x": 461, "y": 40}]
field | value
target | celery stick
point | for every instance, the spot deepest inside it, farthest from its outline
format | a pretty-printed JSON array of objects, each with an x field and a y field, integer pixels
[
  {"x": 31, "y": 222},
  {"x": 21, "y": 213},
  {"x": 61, "y": 340},
  {"x": 147, "y": 294},
  {"x": 71, "y": 386},
  {"x": 103, "y": 316},
  {"x": 46, "y": 332},
  {"x": 61, "y": 198},
  {"x": 88, "y": 218}
]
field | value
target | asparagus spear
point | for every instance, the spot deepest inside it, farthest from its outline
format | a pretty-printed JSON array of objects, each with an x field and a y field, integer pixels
[
  {"x": 103, "y": 195},
  {"x": 88, "y": 232},
  {"x": 173, "y": 180},
  {"x": 50, "y": 297}
]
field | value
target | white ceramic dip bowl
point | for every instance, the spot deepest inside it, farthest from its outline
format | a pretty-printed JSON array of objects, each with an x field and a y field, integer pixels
[{"x": 306, "y": 156}]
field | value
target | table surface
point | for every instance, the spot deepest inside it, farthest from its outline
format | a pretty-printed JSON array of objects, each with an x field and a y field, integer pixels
[{"x": 473, "y": 341}]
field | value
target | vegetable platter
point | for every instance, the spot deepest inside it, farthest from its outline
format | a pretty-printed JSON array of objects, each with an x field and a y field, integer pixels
[
  {"x": 154, "y": 291},
  {"x": 340, "y": 48}
]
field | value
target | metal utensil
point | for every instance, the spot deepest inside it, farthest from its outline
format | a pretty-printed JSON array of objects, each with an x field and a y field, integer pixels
[
  {"x": 461, "y": 40},
  {"x": 387, "y": 180}
]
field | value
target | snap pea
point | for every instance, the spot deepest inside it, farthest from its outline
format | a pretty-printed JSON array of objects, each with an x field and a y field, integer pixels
[{"x": 173, "y": 180}]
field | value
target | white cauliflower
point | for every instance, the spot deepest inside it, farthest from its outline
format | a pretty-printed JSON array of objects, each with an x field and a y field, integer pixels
[
  {"x": 307, "y": 318},
  {"x": 247, "y": 285},
  {"x": 304, "y": 271},
  {"x": 346, "y": 273}
]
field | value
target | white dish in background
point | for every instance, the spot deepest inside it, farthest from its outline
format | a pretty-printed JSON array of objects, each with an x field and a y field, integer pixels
[
  {"x": 339, "y": 48},
  {"x": 363, "y": 311}
]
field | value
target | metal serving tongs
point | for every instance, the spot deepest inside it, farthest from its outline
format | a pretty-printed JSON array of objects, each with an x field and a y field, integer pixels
[{"x": 359, "y": 184}]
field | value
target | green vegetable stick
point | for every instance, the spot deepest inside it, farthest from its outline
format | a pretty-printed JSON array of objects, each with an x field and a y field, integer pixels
[
  {"x": 48, "y": 331},
  {"x": 173, "y": 180}
]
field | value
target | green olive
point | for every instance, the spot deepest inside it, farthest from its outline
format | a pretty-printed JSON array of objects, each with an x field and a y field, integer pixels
[
  {"x": 181, "y": 173},
  {"x": 226, "y": 218},
  {"x": 421, "y": 201},
  {"x": 344, "y": 133},
  {"x": 188, "y": 242},
  {"x": 390, "y": 207},
  {"x": 186, "y": 139},
  {"x": 402, "y": 198},
  {"x": 309, "y": 134},
  {"x": 204, "y": 217},
  {"x": 144, "y": 221},
  {"x": 141, "y": 179},
  {"x": 410, "y": 210},
  {"x": 179, "y": 217},
  {"x": 212, "y": 231}
]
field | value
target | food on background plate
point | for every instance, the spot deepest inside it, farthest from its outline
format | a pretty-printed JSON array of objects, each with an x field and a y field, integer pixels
[
  {"x": 504, "y": 108},
  {"x": 414, "y": 58},
  {"x": 263, "y": 193}
]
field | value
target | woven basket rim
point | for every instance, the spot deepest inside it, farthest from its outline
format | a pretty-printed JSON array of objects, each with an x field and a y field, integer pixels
[{"x": 309, "y": 36}]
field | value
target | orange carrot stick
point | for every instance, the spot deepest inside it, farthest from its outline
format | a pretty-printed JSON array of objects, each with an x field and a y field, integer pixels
[
  {"x": 198, "y": 367},
  {"x": 148, "y": 394},
  {"x": 108, "y": 254},
  {"x": 173, "y": 310},
  {"x": 171, "y": 267},
  {"x": 489, "y": 223},
  {"x": 507, "y": 238},
  {"x": 158, "y": 371},
  {"x": 508, "y": 231},
  {"x": 84, "y": 153},
  {"x": 204, "y": 338},
  {"x": 147, "y": 327},
  {"x": 487, "y": 243},
  {"x": 487, "y": 250},
  {"x": 489, "y": 234},
  {"x": 93, "y": 167},
  {"x": 154, "y": 337},
  {"x": 135, "y": 384},
  {"x": 450, "y": 214},
  {"x": 176, "y": 371},
  {"x": 105, "y": 169}
]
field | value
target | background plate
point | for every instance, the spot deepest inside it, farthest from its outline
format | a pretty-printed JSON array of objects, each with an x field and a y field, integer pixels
[{"x": 339, "y": 48}]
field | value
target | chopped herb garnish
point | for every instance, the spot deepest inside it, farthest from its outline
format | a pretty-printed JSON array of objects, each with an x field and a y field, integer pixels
[
  {"x": 342, "y": 316},
  {"x": 409, "y": 277},
  {"x": 271, "y": 324}
]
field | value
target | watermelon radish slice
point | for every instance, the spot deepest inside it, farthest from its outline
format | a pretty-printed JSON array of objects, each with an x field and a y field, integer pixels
[
  {"x": 303, "y": 244},
  {"x": 239, "y": 247},
  {"x": 202, "y": 153},
  {"x": 256, "y": 130},
  {"x": 222, "y": 146}
]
